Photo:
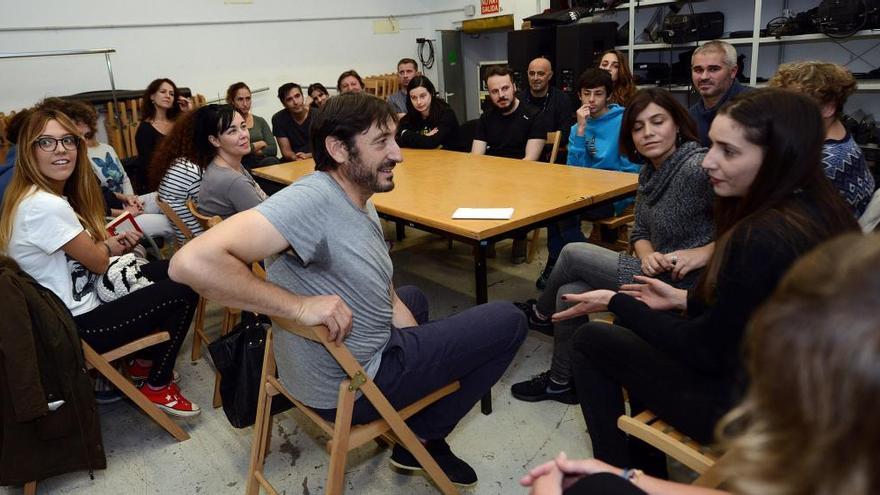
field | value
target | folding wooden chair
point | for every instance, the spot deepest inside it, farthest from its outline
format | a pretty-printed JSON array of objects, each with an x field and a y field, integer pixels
[
  {"x": 230, "y": 315},
  {"x": 553, "y": 139},
  {"x": 652, "y": 430},
  {"x": 199, "y": 335},
  {"x": 613, "y": 232},
  {"x": 344, "y": 436},
  {"x": 101, "y": 362}
]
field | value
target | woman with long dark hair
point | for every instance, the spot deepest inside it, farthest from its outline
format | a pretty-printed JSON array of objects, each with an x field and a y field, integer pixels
[
  {"x": 161, "y": 104},
  {"x": 176, "y": 171},
  {"x": 813, "y": 358},
  {"x": 671, "y": 238},
  {"x": 429, "y": 121},
  {"x": 614, "y": 61},
  {"x": 774, "y": 204}
]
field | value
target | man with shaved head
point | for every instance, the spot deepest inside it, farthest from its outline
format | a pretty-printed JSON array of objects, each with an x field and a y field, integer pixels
[{"x": 553, "y": 103}]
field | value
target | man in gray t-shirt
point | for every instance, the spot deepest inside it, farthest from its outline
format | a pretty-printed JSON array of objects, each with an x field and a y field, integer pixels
[{"x": 334, "y": 270}]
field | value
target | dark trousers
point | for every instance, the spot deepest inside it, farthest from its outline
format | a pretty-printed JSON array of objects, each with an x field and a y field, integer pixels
[
  {"x": 607, "y": 357},
  {"x": 474, "y": 347},
  {"x": 569, "y": 230},
  {"x": 164, "y": 305}
]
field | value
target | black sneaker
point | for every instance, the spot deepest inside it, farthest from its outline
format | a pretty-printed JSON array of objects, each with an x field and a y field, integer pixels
[
  {"x": 541, "y": 283},
  {"x": 543, "y": 325},
  {"x": 458, "y": 471},
  {"x": 541, "y": 387}
]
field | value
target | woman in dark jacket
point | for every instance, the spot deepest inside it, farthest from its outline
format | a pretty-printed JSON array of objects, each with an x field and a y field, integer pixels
[
  {"x": 775, "y": 204},
  {"x": 429, "y": 121}
]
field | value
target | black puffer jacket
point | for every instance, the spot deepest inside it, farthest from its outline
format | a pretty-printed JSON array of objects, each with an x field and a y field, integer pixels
[{"x": 41, "y": 361}]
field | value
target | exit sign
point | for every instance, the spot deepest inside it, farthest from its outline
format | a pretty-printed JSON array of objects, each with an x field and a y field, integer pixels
[{"x": 489, "y": 7}]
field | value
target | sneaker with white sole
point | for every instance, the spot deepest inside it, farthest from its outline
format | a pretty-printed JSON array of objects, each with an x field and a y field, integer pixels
[
  {"x": 170, "y": 400},
  {"x": 458, "y": 471}
]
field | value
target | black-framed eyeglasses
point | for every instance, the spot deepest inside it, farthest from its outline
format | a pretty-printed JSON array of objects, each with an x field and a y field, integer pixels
[{"x": 50, "y": 144}]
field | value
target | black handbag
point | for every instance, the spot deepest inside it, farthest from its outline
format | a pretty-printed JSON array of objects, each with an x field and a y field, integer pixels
[{"x": 238, "y": 356}]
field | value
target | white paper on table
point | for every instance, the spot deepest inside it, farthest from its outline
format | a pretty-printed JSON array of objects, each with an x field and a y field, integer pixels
[{"x": 483, "y": 214}]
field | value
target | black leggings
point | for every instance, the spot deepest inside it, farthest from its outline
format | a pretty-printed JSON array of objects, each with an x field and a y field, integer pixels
[
  {"x": 607, "y": 357},
  {"x": 164, "y": 305}
]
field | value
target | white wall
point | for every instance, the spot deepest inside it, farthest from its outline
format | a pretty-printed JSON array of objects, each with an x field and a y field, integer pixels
[{"x": 205, "y": 57}]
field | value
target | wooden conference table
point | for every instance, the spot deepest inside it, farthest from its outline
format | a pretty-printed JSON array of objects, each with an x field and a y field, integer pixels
[{"x": 431, "y": 184}]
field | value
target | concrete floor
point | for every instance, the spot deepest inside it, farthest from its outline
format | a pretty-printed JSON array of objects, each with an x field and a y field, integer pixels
[{"x": 143, "y": 459}]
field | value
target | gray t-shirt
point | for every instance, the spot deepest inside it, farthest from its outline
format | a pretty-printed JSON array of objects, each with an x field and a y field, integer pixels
[
  {"x": 226, "y": 192},
  {"x": 340, "y": 249},
  {"x": 398, "y": 101}
]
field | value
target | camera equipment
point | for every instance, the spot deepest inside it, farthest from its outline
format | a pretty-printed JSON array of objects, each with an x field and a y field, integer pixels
[
  {"x": 680, "y": 28},
  {"x": 843, "y": 18}
]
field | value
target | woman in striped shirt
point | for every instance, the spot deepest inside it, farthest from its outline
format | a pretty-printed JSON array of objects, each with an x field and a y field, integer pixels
[{"x": 176, "y": 171}]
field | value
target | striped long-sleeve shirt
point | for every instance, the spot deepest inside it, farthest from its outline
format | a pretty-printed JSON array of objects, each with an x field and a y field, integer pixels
[{"x": 181, "y": 182}]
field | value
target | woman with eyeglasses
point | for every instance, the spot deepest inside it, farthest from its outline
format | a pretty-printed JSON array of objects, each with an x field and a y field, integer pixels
[
  {"x": 227, "y": 188},
  {"x": 429, "y": 121},
  {"x": 52, "y": 225}
]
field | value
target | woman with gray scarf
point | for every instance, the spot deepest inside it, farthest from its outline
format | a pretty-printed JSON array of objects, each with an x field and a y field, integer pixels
[{"x": 671, "y": 239}]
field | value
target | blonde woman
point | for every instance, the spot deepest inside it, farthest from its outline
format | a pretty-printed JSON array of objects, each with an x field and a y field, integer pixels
[{"x": 52, "y": 225}]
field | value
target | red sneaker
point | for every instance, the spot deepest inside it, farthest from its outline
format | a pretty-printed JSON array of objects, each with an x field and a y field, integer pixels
[
  {"x": 170, "y": 400},
  {"x": 139, "y": 373}
]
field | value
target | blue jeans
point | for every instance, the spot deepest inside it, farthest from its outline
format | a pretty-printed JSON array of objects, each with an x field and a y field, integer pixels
[{"x": 474, "y": 347}]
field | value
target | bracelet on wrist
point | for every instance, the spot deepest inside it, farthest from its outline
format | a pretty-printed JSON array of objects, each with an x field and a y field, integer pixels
[{"x": 632, "y": 475}]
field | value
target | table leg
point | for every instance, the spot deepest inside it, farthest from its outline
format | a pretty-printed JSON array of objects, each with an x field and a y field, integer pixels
[
  {"x": 482, "y": 294},
  {"x": 400, "y": 228}
]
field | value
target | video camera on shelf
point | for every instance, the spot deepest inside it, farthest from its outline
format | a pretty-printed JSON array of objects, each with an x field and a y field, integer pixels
[{"x": 681, "y": 28}]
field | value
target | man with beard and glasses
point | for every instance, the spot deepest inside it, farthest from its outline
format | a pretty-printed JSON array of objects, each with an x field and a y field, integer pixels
[
  {"x": 713, "y": 72},
  {"x": 334, "y": 269},
  {"x": 553, "y": 103},
  {"x": 511, "y": 128}
]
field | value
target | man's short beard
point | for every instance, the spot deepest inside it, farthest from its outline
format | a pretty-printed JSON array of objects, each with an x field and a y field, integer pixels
[{"x": 356, "y": 172}]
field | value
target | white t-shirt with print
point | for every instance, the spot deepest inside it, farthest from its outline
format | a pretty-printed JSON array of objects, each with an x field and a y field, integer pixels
[
  {"x": 43, "y": 223},
  {"x": 105, "y": 162}
]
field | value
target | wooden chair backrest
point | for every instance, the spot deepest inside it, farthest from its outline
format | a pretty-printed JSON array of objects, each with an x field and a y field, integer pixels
[
  {"x": 176, "y": 220},
  {"x": 553, "y": 139},
  {"x": 205, "y": 220}
]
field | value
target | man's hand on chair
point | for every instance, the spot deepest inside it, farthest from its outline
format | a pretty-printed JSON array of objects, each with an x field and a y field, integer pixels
[{"x": 330, "y": 311}]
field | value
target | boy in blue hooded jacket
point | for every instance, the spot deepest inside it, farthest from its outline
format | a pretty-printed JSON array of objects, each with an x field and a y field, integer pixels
[{"x": 593, "y": 142}]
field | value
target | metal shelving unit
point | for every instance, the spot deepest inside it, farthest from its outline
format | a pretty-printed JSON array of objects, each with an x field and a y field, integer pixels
[{"x": 755, "y": 41}]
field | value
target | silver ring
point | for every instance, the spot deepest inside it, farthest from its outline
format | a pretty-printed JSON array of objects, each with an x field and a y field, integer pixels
[{"x": 674, "y": 259}]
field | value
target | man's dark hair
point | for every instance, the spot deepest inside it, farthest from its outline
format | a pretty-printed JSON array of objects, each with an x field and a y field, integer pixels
[
  {"x": 352, "y": 73},
  {"x": 344, "y": 117},
  {"x": 285, "y": 88},
  {"x": 498, "y": 70},
  {"x": 596, "y": 78},
  {"x": 408, "y": 61}
]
